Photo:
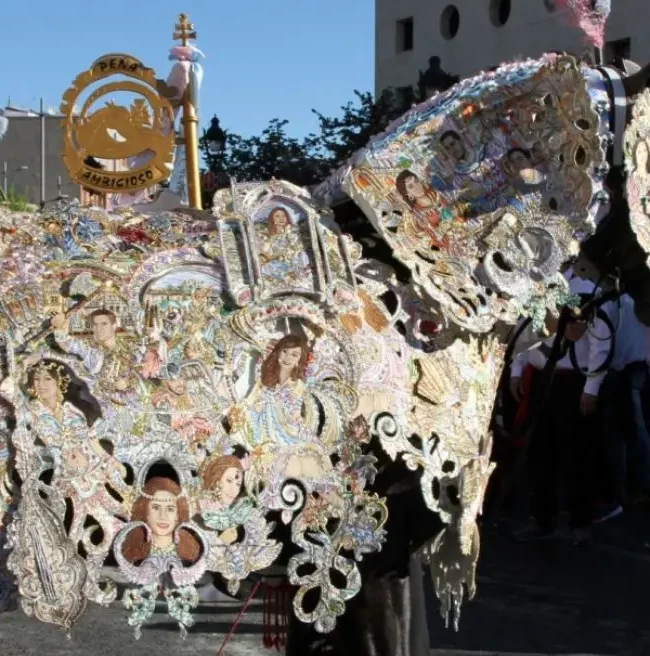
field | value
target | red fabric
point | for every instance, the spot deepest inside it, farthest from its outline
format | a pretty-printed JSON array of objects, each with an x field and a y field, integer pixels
[
  {"x": 134, "y": 235},
  {"x": 524, "y": 405},
  {"x": 275, "y": 615},
  {"x": 276, "y": 600}
]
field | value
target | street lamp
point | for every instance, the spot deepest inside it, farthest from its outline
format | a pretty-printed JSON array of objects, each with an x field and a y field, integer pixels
[{"x": 215, "y": 137}]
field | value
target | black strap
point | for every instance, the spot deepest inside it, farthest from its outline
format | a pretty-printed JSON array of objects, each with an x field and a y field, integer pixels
[
  {"x": 606, "y": 364},
  {"x": 537, "y": 407},
  {"x": 595, "y": 302},
  {"x": 617, "y": 112},
  {"x": 512, "y": 343},
  {"x": 586, "y": 312}
]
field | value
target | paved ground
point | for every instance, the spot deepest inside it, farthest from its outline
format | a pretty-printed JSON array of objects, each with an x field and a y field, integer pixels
[
  {"x": 553, "y": 598},
  {"x": 532, "y": 600},
  {"x": 104, "y": 632}
]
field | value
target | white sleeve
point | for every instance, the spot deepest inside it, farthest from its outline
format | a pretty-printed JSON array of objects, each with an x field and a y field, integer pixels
[
  {"x": 518, "y": 365},
  {"x": 93, "y": 358},
  {"x": 600, "y": 342},
  {"x": 592, "y": 386}
]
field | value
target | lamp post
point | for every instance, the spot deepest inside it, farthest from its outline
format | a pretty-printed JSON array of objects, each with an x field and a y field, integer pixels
[
  {"x": 214, "y": 142},
  {"x": 184, "y": 31},
  {"x": 214, "y": 138}
]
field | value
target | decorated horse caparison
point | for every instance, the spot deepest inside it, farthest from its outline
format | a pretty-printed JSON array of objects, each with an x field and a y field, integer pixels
[{"x": 187, "y": 392}]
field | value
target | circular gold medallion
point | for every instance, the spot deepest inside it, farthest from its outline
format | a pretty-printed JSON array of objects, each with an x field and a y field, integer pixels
[{"x": 115, "y": 132}]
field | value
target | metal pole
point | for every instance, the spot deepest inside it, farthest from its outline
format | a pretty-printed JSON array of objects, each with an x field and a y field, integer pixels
[
  {"x": 190, "y": 124},
  {"x": 185, "y": 31},
  {"x": 4, "y": 179},
  {"x": 599, "y": 56},
  {"x": 42, "y": 154}
]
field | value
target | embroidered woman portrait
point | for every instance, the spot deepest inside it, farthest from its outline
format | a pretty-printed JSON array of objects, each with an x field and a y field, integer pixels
[{"x": 162, "y": 507}]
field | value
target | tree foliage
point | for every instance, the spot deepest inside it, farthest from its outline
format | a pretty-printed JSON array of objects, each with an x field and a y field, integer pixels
[{"x": 307, "y": 161}]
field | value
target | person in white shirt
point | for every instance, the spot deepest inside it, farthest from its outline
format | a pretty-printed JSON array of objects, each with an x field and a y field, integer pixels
[
  {"x": 625, "y": 438},
  {"x": 561, "y": 453}
]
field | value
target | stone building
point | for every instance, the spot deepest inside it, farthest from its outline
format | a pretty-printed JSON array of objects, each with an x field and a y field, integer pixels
[
  {"x": 20, "y": 160},
  {"x": 473, "y": 35},
  {"x": 20, "y": 157}
]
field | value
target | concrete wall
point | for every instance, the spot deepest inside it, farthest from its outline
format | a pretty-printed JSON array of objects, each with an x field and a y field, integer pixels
[
  {"x": 21, "y": 147},
  {"x": 531, "y": 29}
]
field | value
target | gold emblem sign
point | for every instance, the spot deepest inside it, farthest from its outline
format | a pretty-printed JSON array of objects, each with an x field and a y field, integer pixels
[{"x": 114, "y": 132}]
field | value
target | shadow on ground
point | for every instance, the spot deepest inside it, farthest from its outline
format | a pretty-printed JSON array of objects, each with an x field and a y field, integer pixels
[{"x": 553, "y": 598}]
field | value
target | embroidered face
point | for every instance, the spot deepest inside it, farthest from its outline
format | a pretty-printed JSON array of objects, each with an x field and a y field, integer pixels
[
  {"x": 453, "y": 146},
  {"x": 414, "y": 192},
  {"x": 103, "y": 326},
  {"x": 176, "y": 386},
  {"x": 231, "y": 483},
  {"x": 224, "y": 476},
  {"x": 162, "y": 507},
  {"x": 162, "y": 514},
  {"x": 519, "y": 159},
  {"x": 278, "y": 220},
  {"x": 289, "y": 358},
  {"x": 413, "y": 188},
  {"x": 46, "y": 386}
]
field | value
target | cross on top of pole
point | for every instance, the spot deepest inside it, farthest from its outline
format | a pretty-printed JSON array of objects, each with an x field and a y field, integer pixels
[{"x": 184, "y": 30}]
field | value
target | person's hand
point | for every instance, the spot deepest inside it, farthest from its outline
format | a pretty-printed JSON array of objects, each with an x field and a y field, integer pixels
[
  {"x": 60, "y": 322},
  {"x": 7, "y": 388},
  {"x": 575, "y": 330},
  {"x": 229, "y": 535},
  {"x": 31, "y": 360},
  {"x": 588, "y": 404},
  {"x": 516, "y": 388},
  {"x": 551, "y": 323}
]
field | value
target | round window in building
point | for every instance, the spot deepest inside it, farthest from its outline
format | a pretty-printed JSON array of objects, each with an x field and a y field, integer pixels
[
  {"x": 450, "y": 22},
  {"x": 500, "y": 12}
]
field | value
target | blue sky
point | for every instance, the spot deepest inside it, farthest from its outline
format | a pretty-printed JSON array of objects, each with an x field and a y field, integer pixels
[{"x": 264, "y": 59}]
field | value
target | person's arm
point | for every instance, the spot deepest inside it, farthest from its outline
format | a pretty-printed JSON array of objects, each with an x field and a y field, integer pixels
[
  {"x": 92, "y": 358},
  {"x": 519, "y": 363},
  {"x": 600, "y": 342},
  {"x": 110, "y": 462},
  {"x": 593, "y": 384}
]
